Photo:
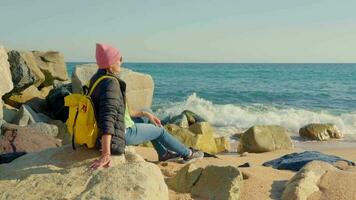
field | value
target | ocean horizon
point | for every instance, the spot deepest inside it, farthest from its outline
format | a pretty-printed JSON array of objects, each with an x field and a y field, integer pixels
[{"x": 235, "y": 96}]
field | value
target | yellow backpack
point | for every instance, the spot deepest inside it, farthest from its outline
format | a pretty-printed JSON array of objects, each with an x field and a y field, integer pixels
[{"x": 81, "y": 122}]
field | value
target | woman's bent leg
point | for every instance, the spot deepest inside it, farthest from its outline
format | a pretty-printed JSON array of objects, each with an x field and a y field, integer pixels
[
  {"x": 161, "y": 150},
  {"x": 132, "y": 137},
  {"x": 141, "y": 133}
]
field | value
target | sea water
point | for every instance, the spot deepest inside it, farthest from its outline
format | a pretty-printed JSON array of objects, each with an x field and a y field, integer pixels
[{"x": 234, "y": 97}]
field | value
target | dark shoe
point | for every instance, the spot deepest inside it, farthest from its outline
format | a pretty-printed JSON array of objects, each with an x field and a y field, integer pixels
[
  {"x": 169, "y": 156},
  {"x": 196, "y": 155}
]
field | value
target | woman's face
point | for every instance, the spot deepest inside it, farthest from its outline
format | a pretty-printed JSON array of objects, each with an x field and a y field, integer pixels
[{"x": 117, "y": 67}]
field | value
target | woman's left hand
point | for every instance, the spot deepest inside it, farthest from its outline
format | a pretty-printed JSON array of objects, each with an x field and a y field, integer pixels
[
  {"x": 153, "y": 119},
  {"x": 104, "y": 161}
]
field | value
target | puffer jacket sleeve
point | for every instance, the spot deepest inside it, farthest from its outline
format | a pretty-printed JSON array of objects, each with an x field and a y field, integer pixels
[{"x": 110, "y": 97}]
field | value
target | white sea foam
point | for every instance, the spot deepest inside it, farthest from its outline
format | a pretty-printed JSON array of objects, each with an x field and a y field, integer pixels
[{"x": 229, "y": 119}]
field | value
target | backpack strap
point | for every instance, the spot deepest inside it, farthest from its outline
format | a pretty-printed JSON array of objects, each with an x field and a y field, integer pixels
[
  {"x": 75, "y": 120},
  {"x": 91, "y": 89}
]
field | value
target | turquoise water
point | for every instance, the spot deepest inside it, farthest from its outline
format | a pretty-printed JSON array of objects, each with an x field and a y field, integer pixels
[{"x": 234, "y": 96}]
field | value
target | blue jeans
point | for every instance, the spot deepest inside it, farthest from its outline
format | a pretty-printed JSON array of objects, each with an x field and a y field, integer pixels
[{"x": 161, "y": 139}]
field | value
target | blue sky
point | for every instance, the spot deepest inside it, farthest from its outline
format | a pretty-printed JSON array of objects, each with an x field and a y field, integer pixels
[{"x": 185, "y": 31}]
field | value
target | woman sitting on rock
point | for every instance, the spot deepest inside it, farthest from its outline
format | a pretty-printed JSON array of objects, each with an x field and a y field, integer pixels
[{"x": 116, "y": 128}]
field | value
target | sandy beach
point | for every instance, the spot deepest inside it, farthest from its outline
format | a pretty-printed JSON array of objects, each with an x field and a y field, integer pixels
[
  {"x": 259, "y": 182},
  {"x": 258, "y": 98}
]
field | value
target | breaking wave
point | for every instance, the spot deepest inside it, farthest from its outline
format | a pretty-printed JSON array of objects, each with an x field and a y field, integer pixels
[{"x": 230, "y": 118}]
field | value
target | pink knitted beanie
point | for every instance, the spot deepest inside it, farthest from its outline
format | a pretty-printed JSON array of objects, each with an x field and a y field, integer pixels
[{"x": 106, "y": 55}]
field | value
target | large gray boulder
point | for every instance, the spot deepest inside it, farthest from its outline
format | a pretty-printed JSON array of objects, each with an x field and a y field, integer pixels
[
  {"x": 139, "y": 89},
  {"x": 22, "y": 75},
  {"x": 264, "y": 138},
  {"x": 27, "y": 115},
  {"x": 219, "y": 182},
  {"x": 211, "y": 182},
  {"x": 63, "y": 133},
  {"x": 2, "y": 123},
  {"x": 81, "y": 76},
  {"x": 6, "y": 84},
  {"x": 10, "y": 113},
  {"x": 185, "y": 179},
  {"x": 199, "y": 136},
  {"x": 61, "y": 173},
  {"x": 320, "y": 132},
  {"x": 184, "y": 120},
  {"x": 31, "y": 63},
  {"x": 321, "y": 180},
  {"x": 179, "y": 120},
  {"x": 52, "y": 65}
]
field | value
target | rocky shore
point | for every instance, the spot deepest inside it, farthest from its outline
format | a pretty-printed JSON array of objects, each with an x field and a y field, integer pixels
[{"x": 37, "y": 162}]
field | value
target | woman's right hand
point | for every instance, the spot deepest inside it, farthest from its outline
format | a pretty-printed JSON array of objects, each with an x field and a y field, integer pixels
[{"x": 153, "y": 119}]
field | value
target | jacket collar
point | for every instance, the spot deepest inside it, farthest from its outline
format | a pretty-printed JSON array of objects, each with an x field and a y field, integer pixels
[
  {"x": 122, "y": 83},
  {"x": 105, "y": 72}
]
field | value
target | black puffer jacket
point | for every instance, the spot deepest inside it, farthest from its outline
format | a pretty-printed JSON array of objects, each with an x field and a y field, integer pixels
[{"x": 109, "y": 105}]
